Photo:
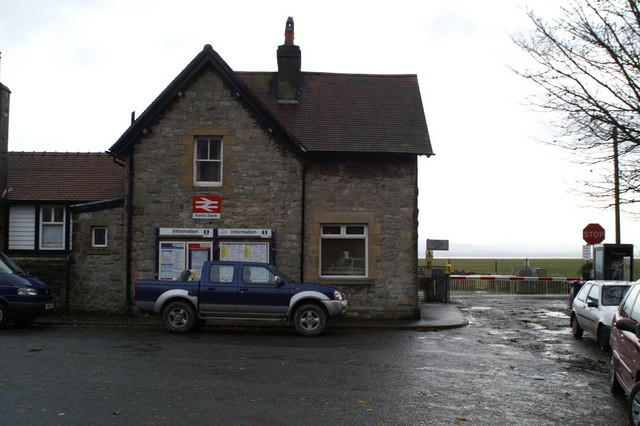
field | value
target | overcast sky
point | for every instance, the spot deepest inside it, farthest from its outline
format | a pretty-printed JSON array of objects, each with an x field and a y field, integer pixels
[{"x": 78, "y": 68}]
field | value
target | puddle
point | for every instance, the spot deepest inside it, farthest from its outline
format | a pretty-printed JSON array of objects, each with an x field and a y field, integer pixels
[
  {"x": 555, "y": 314},
  {"x": 562, "y": 331},
  {"x": 480, "y": 308}
]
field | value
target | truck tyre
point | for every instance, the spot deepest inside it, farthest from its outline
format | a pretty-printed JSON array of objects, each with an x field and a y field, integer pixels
[
  {"x": 178, "y": 317},
  {"x": 4, "y": 316},
  {"x": 309, "y": 320}
]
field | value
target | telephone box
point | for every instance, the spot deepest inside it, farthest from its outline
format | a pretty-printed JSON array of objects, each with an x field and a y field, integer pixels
[{"x": 613, "y": 262}]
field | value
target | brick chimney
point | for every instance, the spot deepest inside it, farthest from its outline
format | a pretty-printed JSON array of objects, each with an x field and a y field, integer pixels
[{"x": 288, "y": 66}]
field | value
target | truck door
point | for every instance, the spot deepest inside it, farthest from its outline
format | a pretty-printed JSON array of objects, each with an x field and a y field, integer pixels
[
  {"x": 218, "y": 291},
  {"x": 259, "y": 294}
]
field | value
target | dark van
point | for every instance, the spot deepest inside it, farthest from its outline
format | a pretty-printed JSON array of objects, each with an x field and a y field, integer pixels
[{"x": 23, "y": 297}]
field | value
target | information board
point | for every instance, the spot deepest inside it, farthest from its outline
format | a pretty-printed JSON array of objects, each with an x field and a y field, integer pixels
[
  {"x": 245, "y": 252},
  {"x": 172, "y": 260},
  {"x": 198, "y": 253}
]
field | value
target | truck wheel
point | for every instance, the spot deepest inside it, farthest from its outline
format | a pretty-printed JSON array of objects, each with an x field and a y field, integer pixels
[
  {"x": 309, "y": 320},
  {"x": 178, "y": 317},
  {"x": 4, "y": 316}
]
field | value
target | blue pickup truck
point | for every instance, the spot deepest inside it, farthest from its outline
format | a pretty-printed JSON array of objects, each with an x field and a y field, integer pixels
[
  {"x": 22, "y": 297},
  {"x": 239, "y": 291}
]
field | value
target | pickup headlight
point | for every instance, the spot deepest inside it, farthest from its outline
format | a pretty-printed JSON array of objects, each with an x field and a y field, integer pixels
[
  {"x": 337, "y": 295},
  {"x": 27, "y": 292}
]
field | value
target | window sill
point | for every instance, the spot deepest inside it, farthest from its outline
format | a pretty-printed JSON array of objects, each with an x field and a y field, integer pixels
[{"x": 207, "y": 184}]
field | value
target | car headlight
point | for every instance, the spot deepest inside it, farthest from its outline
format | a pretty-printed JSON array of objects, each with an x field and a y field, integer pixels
[
  {"x": 337, "y": 295},
  {"x": 27, "y": 292}
]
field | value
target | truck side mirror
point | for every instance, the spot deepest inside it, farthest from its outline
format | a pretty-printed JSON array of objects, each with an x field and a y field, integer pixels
[{"x": 278, "y": 280}]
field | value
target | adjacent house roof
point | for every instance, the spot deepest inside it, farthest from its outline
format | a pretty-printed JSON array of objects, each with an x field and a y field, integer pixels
[
  {"x": 63, "y": 177},
  {"x": 335, "y": 112}
]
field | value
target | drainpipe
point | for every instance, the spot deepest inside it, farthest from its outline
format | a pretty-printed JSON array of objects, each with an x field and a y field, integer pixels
[
  {"x": 67, "y": 283},
  {"x": 129, "y": 242},
  {"x": 302, "y": 218}
]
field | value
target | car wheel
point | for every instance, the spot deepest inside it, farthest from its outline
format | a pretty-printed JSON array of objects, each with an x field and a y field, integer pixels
[
  {"x": 576, "y": 330},
  {"x": 634, "y": 405},
  {"x": 603, "y": 338},
  {"x": 4, "y": 316},
  {"x": 614, "y": 385},
  {"x": 309, "y": 320},
  {"x": 178, "y": 317}
]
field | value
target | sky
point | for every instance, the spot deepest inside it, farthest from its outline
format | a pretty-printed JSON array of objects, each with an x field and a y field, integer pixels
[{"x": 77, "y": 69}]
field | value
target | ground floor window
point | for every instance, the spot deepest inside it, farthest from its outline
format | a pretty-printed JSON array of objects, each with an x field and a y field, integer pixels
[
  {"x": 52, "y": 231},
  {"x": 99, "y": 236},
  {"x": 343, "y": 250}
]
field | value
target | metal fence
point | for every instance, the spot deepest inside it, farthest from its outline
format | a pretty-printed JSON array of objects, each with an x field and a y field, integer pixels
[{"x": 496, "y": 288}]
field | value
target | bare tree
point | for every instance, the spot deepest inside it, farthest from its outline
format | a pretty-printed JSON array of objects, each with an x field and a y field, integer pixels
[{"x": 587, "y": 63}]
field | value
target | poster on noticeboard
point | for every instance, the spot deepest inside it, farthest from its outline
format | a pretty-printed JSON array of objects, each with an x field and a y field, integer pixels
[
  {"x": 198, "y": 253},
  {"x": 245, "y": 252},
  {"x": 172, "y": 260}
]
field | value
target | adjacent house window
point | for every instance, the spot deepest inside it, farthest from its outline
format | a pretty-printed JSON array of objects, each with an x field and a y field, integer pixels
[
  {"x": 99, "y": 236},
  {"x": 207, "y": 161},
  {"x": 52, "y": 227},
  {"x": 343, "y": 250}
]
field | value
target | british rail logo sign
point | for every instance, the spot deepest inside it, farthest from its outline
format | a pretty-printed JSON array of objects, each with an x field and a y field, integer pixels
[{"x": 206, "y": 207}]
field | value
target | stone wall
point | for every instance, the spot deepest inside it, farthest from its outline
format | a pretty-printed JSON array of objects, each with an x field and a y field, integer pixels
[
  {"x": 98, "y": 273},
  {"x": 261, "y": 186},
  {"x": 382, "y": 194},
  {"x": 5, "y": 96},
  {"x": 53, "y": 270}
]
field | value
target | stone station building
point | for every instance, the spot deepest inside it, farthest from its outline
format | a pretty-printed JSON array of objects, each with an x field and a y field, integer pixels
[{"x": 315, "y": 173}]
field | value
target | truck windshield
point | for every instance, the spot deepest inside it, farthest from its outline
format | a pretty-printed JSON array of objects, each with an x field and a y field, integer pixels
[{"x": 7, "y": 265}]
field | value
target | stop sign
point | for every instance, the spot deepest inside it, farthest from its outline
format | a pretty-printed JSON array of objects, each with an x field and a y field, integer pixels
[{"x": 593, "y": 233}]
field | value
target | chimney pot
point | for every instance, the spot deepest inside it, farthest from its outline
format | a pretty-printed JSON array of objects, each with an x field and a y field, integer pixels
[
  {"x": 288, "y": 31},
  {"x": 289, "y": 59}
]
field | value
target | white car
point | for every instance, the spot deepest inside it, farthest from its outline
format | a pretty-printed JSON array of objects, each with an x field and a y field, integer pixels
[{"x": 593, "y": 307}]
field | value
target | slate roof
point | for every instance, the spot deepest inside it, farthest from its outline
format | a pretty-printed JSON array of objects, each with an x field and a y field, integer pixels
[
  {"x": 350, "y": 112},
  {"x": 362, "y": 113},
  {"x": 64, "y": 177}
]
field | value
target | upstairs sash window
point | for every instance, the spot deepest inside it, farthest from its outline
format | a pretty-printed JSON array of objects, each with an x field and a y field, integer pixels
[{"x": 208, "y": 161}]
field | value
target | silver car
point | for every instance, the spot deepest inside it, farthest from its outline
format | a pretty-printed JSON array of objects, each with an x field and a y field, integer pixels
[{"x": 593, "y": 307}]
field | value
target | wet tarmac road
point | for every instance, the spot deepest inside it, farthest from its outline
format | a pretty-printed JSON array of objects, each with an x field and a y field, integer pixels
[{"x": 516, "y": 363}]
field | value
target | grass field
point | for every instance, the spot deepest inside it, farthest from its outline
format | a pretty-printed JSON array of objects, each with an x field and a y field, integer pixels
[{"x": 554, "y": 267}]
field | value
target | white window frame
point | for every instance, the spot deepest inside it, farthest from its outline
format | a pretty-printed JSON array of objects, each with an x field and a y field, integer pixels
[
  {"x": 197, "y": 161},
  {"x": 51, "y": 225},
  {"x": 93, "y": 236},
  {"x": 343, "y": 235}
]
